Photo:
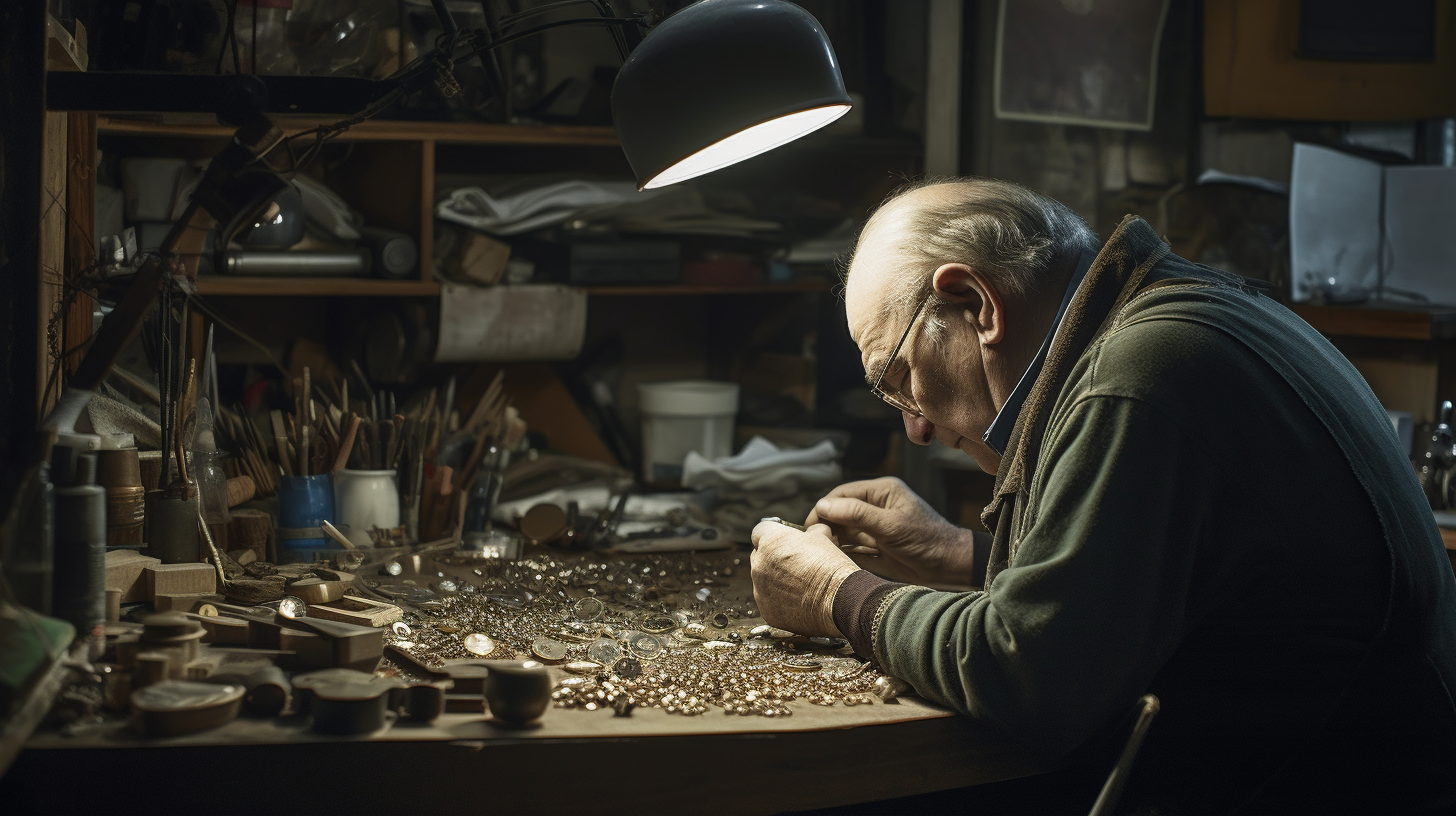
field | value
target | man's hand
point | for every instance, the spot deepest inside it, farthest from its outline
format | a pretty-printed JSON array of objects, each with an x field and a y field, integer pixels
[
  {"x": 795, "y": 576},
  {"x": 916, "y": 544}
]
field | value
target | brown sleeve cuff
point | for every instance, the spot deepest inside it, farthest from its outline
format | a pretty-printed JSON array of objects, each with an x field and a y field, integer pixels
[{"x": 855, "y": 603}]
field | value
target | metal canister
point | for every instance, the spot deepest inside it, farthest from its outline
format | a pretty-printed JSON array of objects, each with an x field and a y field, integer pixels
[
  {"x": 80, "y": 563},
  {"x": 172, "y": 533},
  {"x": 119, "y": 471}
]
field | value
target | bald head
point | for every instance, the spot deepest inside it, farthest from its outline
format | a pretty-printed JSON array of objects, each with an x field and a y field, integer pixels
[{"x": 1027, "y": 243}]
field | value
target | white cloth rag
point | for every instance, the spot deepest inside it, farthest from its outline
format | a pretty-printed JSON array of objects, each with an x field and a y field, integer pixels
[{"x": 763, "y": 468}]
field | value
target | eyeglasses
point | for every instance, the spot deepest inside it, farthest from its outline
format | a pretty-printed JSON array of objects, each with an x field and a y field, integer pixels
[{"x": 890, "y": 393}]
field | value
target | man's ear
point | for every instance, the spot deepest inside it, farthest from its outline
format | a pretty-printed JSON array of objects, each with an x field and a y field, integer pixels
[{"x": 975, "y": 300}]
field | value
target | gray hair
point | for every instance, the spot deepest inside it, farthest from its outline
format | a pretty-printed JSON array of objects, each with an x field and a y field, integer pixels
[{"x": 1025, "y": 242}]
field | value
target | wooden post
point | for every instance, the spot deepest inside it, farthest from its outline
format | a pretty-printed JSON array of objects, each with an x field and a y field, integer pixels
[{"x": 80, "y": 228}]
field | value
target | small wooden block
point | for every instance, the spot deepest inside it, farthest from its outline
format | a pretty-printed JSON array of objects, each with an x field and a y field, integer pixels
[
  {"x": 316, "y": 591},
  {"x": 358, "y": 611},
  {"x": 224, "y": 631},
  {"x": 188, "y": 602},
  {"x": 124, "y": 572},
  {"x": 311, "y": 651},
  {"x": 179, "y": 579},
  {"x": 354, "y": 646}
]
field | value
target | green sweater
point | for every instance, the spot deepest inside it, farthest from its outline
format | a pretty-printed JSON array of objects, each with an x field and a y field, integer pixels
[{"x": 1202, "y": 499}]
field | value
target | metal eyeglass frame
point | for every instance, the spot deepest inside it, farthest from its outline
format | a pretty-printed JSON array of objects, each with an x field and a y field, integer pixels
[{"x": 894, "y": 396}]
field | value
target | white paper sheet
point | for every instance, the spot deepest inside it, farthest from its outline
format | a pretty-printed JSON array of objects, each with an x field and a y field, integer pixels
[{"x": 510, "y": 323}]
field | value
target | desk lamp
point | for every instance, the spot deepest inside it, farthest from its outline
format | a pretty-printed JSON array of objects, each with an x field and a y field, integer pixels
[{"x": 716, "y": 83}]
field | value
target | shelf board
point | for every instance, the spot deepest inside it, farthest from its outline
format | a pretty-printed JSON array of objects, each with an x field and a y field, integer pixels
[
  {"x": 375, "y": 130},
  {"x": 1377, "y": 321},
  {"x": 227, "y": 285},
  {"x": 220, "y": 285},
  {"x": 787, "y": 287}
]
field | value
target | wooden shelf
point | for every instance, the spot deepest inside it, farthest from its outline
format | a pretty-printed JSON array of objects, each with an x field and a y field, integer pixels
[
  {"x": 787, "y": 287},
  {"x": 376, "y": 130},
  {"x": 227, "y": 285},
  {"x": 1378, "y": 322},
  {"x": 221, "y": 285}
]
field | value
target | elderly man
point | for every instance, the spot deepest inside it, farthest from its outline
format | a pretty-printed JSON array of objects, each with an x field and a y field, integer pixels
[{"x": 1196, "y": 496}]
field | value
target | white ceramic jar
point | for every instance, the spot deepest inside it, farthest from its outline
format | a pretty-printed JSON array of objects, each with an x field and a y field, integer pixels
[{"x": 364, "y": 499}]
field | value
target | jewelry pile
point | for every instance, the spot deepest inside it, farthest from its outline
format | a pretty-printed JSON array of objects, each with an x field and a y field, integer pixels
[{"x": 669, "y": 631}]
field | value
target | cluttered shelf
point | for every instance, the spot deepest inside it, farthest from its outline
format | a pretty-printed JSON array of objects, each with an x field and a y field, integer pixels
[
  {"x": 224, "y": 285},
  {"x": 1380, "y": 321},
  {"x": 217, "y": 285},
  {"x": 377, "y": 130}
]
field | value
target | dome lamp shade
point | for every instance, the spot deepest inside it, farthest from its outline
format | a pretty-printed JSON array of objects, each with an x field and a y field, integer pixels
[{"x": 722, "y": 81}]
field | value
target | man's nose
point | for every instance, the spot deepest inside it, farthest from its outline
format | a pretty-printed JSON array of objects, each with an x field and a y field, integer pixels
[{"x": 920, "y": 430}]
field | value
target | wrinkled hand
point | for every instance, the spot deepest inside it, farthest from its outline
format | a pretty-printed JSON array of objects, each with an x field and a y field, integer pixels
[
  {"x": 795, "y": 576},
  {"x": 915, "y": 543}
]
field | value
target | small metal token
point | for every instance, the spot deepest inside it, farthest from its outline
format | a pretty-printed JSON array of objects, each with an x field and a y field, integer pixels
[
  {"x": 292, "y": 607},
  {"x": 584, "y": 667},
  {"x": 479, "y": 644},
  {"x": 393, "y": 568},
  {"x": 801, "y": 663},
  {"x": 547, "y": 648},
  {"x": 627, "y": 668},
  {"x": 604, "y": 651},
  {"x": 720, "y": 620},
  {"x": 696, "y": 630},
  {"x": 646, "y": 646},
  {"x": 574, "y": 636},
  {"x": 207, "y": 611},
  {"x": 659, "y": 624},
  {"x": 401, "y": 628},
  {"x": 574, "y": 682},
  {"x": 829, "y": 642},
  {"x": 587, "y": 609},
  {"x": 446, "y": 628}
]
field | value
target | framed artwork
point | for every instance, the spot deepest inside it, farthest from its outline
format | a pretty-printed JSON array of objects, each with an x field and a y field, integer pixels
[{"x": 1079, "y": 62}]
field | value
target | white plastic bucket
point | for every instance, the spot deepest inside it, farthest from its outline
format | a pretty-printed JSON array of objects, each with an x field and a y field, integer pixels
[{"x": 683, "y": 416}]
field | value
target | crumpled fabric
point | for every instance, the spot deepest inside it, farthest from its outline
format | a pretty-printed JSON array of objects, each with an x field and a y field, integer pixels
[{"x": 764, "y": 469}]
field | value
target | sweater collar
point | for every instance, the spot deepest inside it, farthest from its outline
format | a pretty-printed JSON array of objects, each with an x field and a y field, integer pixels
[
  {"x": 999, "y": 432},
  {"x": 1113, "y": 277}
]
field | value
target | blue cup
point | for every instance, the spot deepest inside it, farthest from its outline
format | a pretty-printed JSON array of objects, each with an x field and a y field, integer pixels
[{"x": 304, "y": 504}]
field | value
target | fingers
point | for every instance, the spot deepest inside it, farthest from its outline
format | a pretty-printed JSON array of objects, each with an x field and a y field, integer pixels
[{"x": 851, "y": 512}]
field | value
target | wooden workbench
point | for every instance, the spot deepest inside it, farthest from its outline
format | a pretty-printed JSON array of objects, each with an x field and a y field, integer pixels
[
  {"x": 573, "y": 759},
  {"x": 650, "y": 762}
]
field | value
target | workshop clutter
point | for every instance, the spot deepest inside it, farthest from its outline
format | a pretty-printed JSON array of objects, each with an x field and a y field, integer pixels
[{"x": 314, "y": 232}]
